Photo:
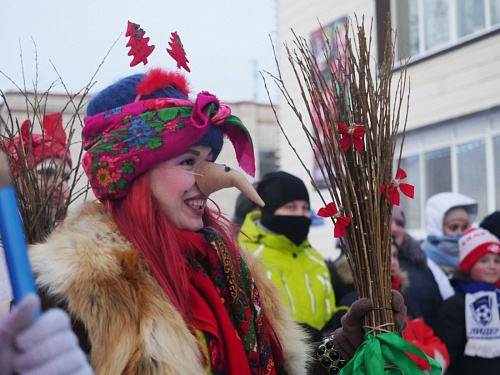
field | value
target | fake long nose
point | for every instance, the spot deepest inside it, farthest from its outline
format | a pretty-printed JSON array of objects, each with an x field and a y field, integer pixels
[{"x": 212, "y": 177}]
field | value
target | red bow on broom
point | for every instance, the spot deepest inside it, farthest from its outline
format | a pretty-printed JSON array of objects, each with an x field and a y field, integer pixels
[
  {"x": 341, "y": 222},
  {"x": 351, "y": 135},
  {"x": 392, "y": 189}
]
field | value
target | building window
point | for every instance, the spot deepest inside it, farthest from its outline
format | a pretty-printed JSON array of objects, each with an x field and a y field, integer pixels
[
  {"x": 496, "y": 153},
  {"x": 437, "y": 23},
  {"x": 429, "y": 26},
  {"x": 471, "y": 17},
  {"x": 495, "y": 12},
  {"x": 437, "y": 171},
  {"x": 268, "y": 162},
  {"x": 471, "y": 160}
]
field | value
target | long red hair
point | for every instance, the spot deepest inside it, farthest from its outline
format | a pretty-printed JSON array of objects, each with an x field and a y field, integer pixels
[{"x": 143, "y": 223}]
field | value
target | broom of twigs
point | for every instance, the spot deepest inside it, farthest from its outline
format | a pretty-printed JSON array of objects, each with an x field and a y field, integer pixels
[
  {"x": 354, "y": 95},
  {"x": 35, "y": 192},
  {"x": 40, "y": 212}
]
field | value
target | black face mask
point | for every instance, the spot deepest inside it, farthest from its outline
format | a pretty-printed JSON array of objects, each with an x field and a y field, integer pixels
[{"x": 295, "y": 228}]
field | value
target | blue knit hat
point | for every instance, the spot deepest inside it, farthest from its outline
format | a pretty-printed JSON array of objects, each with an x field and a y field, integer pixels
[{"x": 124, "y": 92}]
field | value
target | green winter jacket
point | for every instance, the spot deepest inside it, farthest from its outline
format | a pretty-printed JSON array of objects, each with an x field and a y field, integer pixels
[{"x": 300, "y": 272}]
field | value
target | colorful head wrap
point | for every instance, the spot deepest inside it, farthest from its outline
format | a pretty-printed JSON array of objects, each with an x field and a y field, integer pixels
[
  {"x": 34, "y": 148},
  {"x": 125, "y": 141}
]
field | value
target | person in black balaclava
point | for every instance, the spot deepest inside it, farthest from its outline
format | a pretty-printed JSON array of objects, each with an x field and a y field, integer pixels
[
  {"x": 278, "y": 235},
  {"x": 287, "y": 209}
]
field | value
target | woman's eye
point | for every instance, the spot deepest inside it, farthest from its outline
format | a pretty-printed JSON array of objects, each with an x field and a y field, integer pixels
[
  {"x": 188, "y": 162},
  {"x": 47, "y": 173}
]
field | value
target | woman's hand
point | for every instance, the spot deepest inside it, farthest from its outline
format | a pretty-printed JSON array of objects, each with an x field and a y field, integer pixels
[
  {"x": 44, "y": 346},
  {"x": 351, "y": 335}
]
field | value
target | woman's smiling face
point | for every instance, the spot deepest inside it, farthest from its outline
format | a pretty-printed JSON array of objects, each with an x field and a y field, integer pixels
[{"x": 173, "y": 185}]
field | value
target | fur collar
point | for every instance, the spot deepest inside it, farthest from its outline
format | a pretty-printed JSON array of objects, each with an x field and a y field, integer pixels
[{"x": 88, "y": 265}]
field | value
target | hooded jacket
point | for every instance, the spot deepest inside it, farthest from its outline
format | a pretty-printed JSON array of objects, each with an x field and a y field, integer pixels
[
  {"x": 436, "y": 209},
  {"x": 89, "y": 267},
  {"x": 299, "y": 272}
]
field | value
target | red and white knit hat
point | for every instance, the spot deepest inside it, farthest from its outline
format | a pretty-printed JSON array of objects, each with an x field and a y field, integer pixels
[{"x": 473, "y": 245}]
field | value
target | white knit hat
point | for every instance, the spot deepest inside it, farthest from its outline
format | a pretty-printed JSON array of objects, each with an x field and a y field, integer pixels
[{"x": 473, "y": 245}]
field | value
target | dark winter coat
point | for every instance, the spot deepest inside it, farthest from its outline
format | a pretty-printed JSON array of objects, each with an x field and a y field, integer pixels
[
  {"x": 422, "y": 289},
  {"x": 452, "y": 331}
]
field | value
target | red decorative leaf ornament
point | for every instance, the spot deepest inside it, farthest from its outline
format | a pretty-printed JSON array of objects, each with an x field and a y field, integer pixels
[
  {"x": 138, "y": 44},
  {"x": 351, "y": 135},
  {"x": 177, "y": 51},
  {"x": 392, "y": 192},
  {"x": 341, "y": 222}
]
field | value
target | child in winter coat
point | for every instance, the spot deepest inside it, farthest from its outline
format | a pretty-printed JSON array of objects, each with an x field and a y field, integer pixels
[{"x": 469, "y": 321}]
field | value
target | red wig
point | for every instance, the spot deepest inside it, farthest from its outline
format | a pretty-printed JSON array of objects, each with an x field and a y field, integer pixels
[{"x": 143, "y": 223}]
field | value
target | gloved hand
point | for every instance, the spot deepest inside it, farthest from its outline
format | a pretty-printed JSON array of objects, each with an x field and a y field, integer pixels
[
  {"x": 16, "y": 321},
  {"x": 43, "y": 346},
  {"x": 399, "y": 311},
  {"x": 351, "y": 335}
]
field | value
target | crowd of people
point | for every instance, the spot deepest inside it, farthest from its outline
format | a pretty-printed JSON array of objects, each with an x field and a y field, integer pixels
[
  {"x": 451, "y": 280},
  {"x": 152, "y": 279}
]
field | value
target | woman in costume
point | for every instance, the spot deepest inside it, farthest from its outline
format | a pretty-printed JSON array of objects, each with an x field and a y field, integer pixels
[{"x": 151, "y": 276}]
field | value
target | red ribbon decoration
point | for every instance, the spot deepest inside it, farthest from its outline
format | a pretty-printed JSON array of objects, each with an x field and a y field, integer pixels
[
  {"x": 392, "y": 189},
  {"x": 341, "y": 222},
  {"x": 351, "y": 135}
]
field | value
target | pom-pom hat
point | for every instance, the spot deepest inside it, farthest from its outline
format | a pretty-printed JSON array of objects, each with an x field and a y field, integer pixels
[
  {"x": 143, "y": 120},
  {"x": 473, "y": 245}
]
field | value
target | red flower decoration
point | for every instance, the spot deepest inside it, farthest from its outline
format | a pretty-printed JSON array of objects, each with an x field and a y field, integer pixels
[
  {"x": 341, "y": 222},
  {"x": 353, "y": 134},
  {"x": 392, "y": 189}
]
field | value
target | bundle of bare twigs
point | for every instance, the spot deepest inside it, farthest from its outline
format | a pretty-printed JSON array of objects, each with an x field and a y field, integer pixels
[
  {"x": 40, "y": 210},
  {"x": 352, "y": 124},
  {"x": 39, "y": 206}
]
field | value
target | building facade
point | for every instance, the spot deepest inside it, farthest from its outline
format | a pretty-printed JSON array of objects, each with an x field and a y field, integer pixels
[{"x": 452, "y": 50}]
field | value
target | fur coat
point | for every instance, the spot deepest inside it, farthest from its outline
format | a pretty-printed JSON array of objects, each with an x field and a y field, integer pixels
[{"x": 89, "y": 267}]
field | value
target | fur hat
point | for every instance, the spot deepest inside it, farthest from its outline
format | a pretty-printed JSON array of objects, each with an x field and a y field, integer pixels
[
  {"x": 143, "y": 120},
  {"x": 473, "y": 245},
  {"x": 278, "y": 188}
]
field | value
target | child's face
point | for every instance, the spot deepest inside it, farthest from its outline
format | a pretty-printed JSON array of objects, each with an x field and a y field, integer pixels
[{"x": 486, "y": 269}]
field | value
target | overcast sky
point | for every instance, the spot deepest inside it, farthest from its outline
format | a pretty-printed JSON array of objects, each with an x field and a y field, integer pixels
[{"x": 226, "y": 42}]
